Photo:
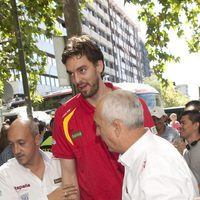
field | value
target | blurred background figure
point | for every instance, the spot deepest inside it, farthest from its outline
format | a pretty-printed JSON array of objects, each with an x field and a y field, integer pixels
[
  {"x": 190, "y": 131},
  {"x": 193, "y": 105},
  {"x": 174, "y": 123},
  {"x": 180, "y": 144},
  {"x": 42, "y": 130},
  {"x": 5, "y": 149},
  {"x": 163, "y": 130},
  {"x": 47, "y": 137}
]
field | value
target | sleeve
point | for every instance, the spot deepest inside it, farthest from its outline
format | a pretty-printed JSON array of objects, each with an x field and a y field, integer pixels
[
  {"x": 167, "y": 187},
  {"x": 166, "y": 181},
  {"x": 61, "y": 148},
  {"x": 148, "y": 121},
  {"x": 7, "y": 191}
]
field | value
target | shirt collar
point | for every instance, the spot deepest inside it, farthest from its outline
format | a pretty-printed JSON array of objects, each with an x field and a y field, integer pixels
[
  {"x": 134, "y": 152},
  {"x": 47, "y": 157}
]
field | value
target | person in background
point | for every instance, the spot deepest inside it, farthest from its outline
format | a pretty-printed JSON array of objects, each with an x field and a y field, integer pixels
[
  {"x": 47, "y": 138},
  {"x": 193, "y": 105},
  {"x": 32, "y": 174},
  {"x": 85, "y": 159},
  {"x": 153, "y": 167},
  {"x": 159, "y": 116},
  {"x": 174, "y": 123},
  {"x": 190, "y": 131},
  {"x": 5, "y": 149},
  {"x": 42, "y": 129}
]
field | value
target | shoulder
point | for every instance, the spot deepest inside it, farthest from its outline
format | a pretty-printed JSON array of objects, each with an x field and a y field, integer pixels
[
  {"x": 48, "y": 156},
  {"x": 70, "y": 104},
  {"x": 171, "y": 129},
  {"x": 10, "y": 166}
]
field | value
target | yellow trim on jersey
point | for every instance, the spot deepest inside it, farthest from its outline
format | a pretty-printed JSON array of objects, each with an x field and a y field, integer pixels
[{"x": 65, "y": 126}]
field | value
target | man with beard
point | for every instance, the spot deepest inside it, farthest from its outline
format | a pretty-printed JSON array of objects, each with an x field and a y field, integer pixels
[
  {"x": 85, "y": 159},
  {"x": 32, "y": 174}
]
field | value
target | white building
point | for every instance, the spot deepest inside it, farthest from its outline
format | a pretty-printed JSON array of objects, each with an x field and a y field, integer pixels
[
  {"x": 191, "y": 90},
  {"x": 115, "y": 33}
]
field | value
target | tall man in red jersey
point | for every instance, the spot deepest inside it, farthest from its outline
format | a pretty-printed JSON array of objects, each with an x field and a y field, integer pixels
[{"x": 85, "y": 159}]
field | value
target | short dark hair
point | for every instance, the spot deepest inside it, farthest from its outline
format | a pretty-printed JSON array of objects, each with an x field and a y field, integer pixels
[
  {"x": 194, "y": 116},
  {"x": 194, "y": 103},
  {"x": 82, "y": 46}
]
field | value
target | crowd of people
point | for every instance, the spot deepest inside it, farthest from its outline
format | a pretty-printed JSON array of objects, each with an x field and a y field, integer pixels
[{"x": 103, "y": 143}]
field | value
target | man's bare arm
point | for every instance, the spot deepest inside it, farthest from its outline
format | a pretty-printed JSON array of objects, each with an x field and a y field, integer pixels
[
  {"x": 69, "y": 177},
  {"x": 63, "y": 193}
]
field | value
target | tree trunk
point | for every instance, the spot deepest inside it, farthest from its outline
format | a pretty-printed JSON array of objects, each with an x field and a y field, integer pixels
[{"x": 72, "y": 17}]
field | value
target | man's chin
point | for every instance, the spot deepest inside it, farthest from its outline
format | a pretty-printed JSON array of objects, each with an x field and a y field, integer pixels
[
  {"x": 110, "y": 149},
  {"x": 21, "y": 161},
  {"x": 86, "y": 94}
]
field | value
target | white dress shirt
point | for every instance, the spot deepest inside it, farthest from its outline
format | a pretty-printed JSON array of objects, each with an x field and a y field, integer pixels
[
  {"x": 155, "y": 170},
  {"x": 19, "y": 183}
]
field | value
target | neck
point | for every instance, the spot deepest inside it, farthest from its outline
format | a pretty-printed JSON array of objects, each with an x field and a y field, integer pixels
[
  {"x": 101, "y": 92},
  {"x": 38, "y": 167},
  {"x": 161, "y": 130},
  {"x": 133, "y": 137},
  {"x": 193, "y": 137}
]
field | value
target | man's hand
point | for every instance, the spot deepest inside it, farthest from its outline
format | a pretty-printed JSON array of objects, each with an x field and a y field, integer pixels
[{"x": 68, "y": 192}]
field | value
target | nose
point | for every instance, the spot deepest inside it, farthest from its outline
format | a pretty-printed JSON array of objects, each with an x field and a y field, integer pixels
[
  {"x": 76, "y": 78},
  {"x": 15, "y": 149}
]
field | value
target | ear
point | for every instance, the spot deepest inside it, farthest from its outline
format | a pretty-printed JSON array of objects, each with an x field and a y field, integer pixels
[
  {"x": 37, "y": 139},
  {"x": 196, "y": 125},
  {"x": 99, "y": 66},
  {"x": 117, "y": 124}
]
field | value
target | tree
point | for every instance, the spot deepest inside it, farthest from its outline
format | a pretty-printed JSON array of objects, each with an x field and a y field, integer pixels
[
  {"x": 170, "y": 96},
  {"x": 31, "y": 14},
  {"x": 162, "y": 16},
  {"x": 159, "y": 21},
  {"x": 72, "y": 17}
]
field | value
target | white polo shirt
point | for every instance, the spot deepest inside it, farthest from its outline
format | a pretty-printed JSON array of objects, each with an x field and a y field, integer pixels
[
  {"x": 19, "y": 183},
  {"x": 155, "y": 170}
]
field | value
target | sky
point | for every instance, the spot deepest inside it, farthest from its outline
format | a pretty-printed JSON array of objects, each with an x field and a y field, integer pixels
[{"x": 184, "y": 72}]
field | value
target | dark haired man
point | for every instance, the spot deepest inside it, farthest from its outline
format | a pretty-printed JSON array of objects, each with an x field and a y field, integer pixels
[
  {"x": 190, "y": 131},
  {"x": 193, "y": 105},
  {"x": 85, "y": 158}
]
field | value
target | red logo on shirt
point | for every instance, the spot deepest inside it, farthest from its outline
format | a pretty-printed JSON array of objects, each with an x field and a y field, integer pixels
[
  {"x": 22, "y": 186},
  {"x": 144, "y": 164}
]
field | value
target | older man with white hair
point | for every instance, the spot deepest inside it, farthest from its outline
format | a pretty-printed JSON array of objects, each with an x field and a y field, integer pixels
[{"x": 154, "y": 169}]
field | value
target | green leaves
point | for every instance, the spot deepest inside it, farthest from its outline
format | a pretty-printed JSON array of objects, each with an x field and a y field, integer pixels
[
  {"x": 162, "y": 16},
  {"x": 32, "y": 14},
  {"x": 170, "y": 96}
]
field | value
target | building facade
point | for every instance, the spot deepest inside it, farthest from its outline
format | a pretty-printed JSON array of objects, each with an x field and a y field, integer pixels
[{"x": 116, "y": 34}]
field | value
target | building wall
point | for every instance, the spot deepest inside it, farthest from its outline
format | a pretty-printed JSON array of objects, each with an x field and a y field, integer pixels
[
  {"x": 117, "y": 36},
  {"x": 191, "y": 90}
]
